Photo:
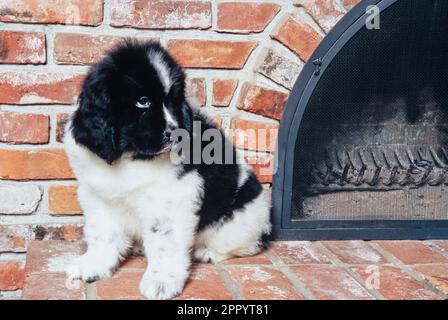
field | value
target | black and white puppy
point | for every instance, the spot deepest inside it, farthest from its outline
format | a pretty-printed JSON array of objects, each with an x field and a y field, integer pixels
[{"x": 119, "y": 145}]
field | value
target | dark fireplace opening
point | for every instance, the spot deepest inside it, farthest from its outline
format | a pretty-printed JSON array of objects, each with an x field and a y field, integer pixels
[{"x": 366, "y": 147}]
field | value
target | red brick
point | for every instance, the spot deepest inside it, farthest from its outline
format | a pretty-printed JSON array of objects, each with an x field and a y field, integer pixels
[
  {"x": 412, "y": 252},
  {"x": 254, "y": 135},
  {"x": 395, "y": 284},
  {"x": 70, "y": 48},
  {"x": 43, "y": 164},
  {"x": 39, "y": 88},
  {"x": 260, "y": 258},
  {"x": 19, "y": 199},
  {"x": 52, "y": 286},
  {"x": 161, "y": 14},
  {"x": 348, "y": 4},
  {"x": 11, "y": 275},
  {"x": 195, "y": 88},
  {"x": 279, "y": 69},
  {"x": 58, "y": 232},
  {"x": 124, "y": 285},
  {"x": 263, "y": 167},
  {"x": 211, "y": 53},
  {"x": 84, "y": 12},
  {"x": 354, "y": 252},
  {"x": 134, "y": 262},
  {"x": 263, "y": 283},
  {"x": 330, "y": 283},
  {"x": 14, "y": 238},
  {"x": 326, "y": 12},
  {"x": 298, "y": 252},
  {"x": 204, "y": 283},
  {"x": 24, "y": 128},
  {"x": 299, "y": 37},
  {"x": 63, "y": 200},
  {"x": 252, "y": 17},
  {"x": 437, "y": 275},
  {"x": 61, "y": 121},
  {"x": 223, "y": 91},
  {"x": 22, "y": 47},
  {"x": 266, "y": 102},
  {"x": 51, "y": 255}
]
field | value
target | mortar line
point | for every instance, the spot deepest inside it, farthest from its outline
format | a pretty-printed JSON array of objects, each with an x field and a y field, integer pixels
[
  {"x": 234, "y": 288},
  {"x": 11, "y": 294},
  {"x": 302, "y": 14},
  {"x": 408, "y": 270},
  {"x": 435, "y": 247},
  {"x": 209, "y": 93},
  {"x": 299, "y": 287},
  {"x": 107, "y": 13},
  {"x": 53, "y": 126},
  {"x": 12, "y": 256},
  {"x": 61, "y": 222},
  {"x": 90, "y": 291},
  {"x": 107, "y": 30},
  {"x": 213, "y": 15},
  {"x": 337, "y": 262}
]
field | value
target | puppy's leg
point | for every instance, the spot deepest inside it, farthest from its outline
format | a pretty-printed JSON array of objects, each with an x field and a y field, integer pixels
[
  {"x": 243, "y": 235},
  {"x": 105, "y": 239},
  {"x": 167, "y": 245}
]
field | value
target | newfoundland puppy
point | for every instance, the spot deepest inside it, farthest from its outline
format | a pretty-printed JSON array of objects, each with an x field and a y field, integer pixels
[{"x": 120, "y": 144}]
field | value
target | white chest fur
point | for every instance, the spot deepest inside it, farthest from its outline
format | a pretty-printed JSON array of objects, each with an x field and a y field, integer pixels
[{"x": 130, "y": 182}]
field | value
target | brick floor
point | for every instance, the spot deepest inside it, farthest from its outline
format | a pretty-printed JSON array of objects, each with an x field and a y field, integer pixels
[{"x": 287, "y": 270}]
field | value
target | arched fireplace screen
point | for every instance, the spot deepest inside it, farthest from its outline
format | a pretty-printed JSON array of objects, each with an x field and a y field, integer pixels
[{"x": 363, "y": 143}]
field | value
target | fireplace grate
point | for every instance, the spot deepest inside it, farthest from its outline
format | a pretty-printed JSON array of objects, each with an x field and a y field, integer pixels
[{"x": 363, "y": 143}]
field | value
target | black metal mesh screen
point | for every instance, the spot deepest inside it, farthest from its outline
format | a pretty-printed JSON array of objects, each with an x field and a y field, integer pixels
[{"x": 373, "y": 139}]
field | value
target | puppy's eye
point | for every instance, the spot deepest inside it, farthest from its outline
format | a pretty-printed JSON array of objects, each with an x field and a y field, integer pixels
[{"x": 143, "y": 102}]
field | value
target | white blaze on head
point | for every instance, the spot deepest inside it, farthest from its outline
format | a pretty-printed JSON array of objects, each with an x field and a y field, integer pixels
[
  {"x": 163, "y": 71},
  {"x": 171, "y": 122},
  {"x": 157, "y": 61}
]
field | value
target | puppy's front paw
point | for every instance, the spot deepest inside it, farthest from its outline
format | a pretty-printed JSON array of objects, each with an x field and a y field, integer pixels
[
  {"x": 87, "y": 270},
  {"x": 159, "y": 286}
]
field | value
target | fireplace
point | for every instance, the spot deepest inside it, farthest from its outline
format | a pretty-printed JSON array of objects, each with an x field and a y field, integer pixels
[{"x": 363, "y": 142}]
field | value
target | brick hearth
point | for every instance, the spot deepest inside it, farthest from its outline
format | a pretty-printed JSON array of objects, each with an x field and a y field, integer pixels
[{"x": 288, "y": 270}]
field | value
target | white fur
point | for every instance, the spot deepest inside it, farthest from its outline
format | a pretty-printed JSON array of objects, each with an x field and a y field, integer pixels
[
  {"x": 244, "y": 169},
  {"x": 235, "y": 238},
  {"x": 157, "y": 61},
  {"x": 169, "y": 118},
  {"x": 146, "y": 201}
]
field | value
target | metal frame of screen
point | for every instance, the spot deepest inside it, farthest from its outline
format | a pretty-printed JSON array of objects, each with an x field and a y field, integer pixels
[{"x": 284, "y": 226}]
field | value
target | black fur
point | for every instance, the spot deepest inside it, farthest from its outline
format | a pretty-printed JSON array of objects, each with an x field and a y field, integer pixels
[
  {"x": 222, "y": 197},
  {"x": 109, "y": 124},
  {"x": 107, "y": 121}
]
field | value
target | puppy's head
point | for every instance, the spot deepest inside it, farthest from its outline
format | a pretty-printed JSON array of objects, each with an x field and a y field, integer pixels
[{"x": 130, "y": 102}]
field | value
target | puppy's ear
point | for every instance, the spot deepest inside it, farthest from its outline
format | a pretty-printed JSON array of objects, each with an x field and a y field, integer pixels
[
  {"x": 176, "y": 91},
  {"x": 92, "y": 125}
]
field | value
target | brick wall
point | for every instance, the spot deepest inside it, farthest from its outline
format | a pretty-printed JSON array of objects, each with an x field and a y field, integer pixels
[{"x": 242, "y": 58}]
